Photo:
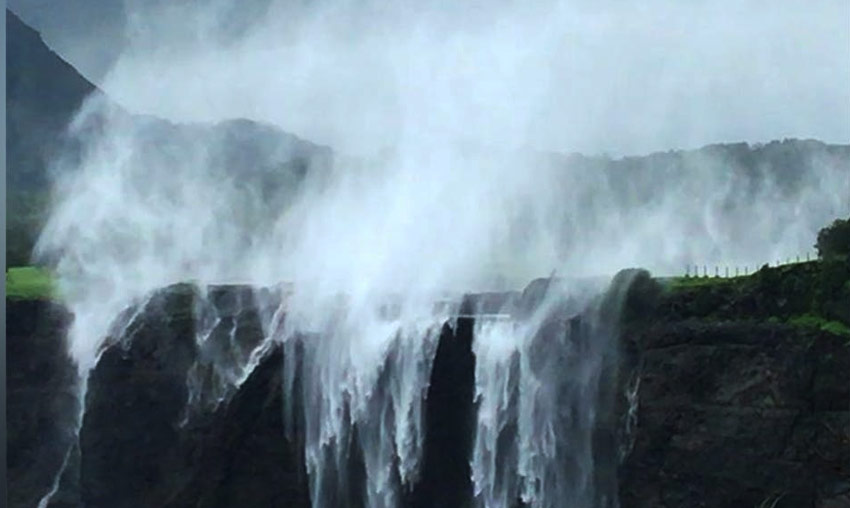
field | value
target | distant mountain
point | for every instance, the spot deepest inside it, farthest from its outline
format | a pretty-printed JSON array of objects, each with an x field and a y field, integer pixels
[
  {"x": 43, "y": 94},
  {"x": 94, "y": 47},
  {"x": 790, "y": 165},
  {"x": 723, "y": 203},
  {"x": 786, "y": 190}
]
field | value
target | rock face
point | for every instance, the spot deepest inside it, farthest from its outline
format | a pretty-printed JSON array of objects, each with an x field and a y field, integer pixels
[
  {"x": 709, "y": 402},
  {"x": 735, "y": 413},
  {"x": 241, "y": 457},
  {"x": 130, "y": 434},
  {"x": 41, "y": 398},
  {"x": 449, "y": 422},
  {"x": 139, "y": 444}
]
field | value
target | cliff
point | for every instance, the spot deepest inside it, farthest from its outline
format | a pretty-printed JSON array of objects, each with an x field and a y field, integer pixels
[
  {"x": 721, "y": 393},
  {"x": 743, "y": 396}
]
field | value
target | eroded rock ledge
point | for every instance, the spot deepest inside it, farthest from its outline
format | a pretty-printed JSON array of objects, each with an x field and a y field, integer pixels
[{"x": 719, "y": 397}]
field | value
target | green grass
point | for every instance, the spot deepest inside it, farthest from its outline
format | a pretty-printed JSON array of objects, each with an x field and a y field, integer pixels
[
  {"x": 697, "y": 282},
  {"x": 28, "y": 283}
]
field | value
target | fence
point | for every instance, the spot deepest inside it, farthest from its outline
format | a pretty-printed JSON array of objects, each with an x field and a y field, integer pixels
[{"x": 741, "y": 270}]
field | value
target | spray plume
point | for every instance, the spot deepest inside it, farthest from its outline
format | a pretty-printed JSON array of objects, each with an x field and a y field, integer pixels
[{"x": 441, "y": 182}]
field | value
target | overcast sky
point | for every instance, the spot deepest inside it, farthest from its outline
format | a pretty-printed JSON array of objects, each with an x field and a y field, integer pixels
[{"x": 617, "y": 77}]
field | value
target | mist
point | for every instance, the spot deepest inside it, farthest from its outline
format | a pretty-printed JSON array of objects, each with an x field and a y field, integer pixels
[
  {"x": 584, "y": 76},
  {"x": 439, "y": 173}
]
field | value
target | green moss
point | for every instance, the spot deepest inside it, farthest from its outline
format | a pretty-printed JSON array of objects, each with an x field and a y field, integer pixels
[
  {"x": 28, "y": 282},
  {"x": 820, "y": 323},
  {"x": 836, "y": 328}
]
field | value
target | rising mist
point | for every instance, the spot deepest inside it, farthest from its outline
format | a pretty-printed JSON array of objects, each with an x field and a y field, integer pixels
[{"x": 441, "y": 175}]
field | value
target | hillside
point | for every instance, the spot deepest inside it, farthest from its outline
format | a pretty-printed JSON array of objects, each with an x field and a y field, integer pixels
[{"x": 43, "y": 94}]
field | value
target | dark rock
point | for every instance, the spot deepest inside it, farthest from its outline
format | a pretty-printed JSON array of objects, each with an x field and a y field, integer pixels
[
  {"x": 445, "y": 475},
  {"x": 242, "y": 457},
  {"x": 735, "y": 413},
  {"x": 130, "y": 437},
  {"x": 41, "y": 398},
  {"x": 137, "y": 448}
]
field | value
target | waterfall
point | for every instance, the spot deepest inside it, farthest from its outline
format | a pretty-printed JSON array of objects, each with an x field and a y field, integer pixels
[
  {"x": 357, "y": 373},
  {"x": 537, "y": 388},
  {"x": 495, "y": 451},
  {"x": 359, "y": 382},
  {"x": 232, "y": 333}
]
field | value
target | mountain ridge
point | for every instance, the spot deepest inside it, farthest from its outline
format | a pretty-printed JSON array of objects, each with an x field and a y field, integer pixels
[{"x": 44, "y": 94}]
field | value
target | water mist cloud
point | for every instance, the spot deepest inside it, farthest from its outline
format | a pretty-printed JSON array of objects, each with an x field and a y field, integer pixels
[
  {"x": 439, "y": 177},
  {"x": 592, "y": 77},
  {"x": 439, "y": 110}
]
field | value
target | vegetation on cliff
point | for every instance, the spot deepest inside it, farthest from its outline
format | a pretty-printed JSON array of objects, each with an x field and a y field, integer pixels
[
  {"x": 28, "y": 283},
  {"x": 814, "y": 293},
  {"x": 740, "y": 388},
  {"x": 834, "y": 240}
]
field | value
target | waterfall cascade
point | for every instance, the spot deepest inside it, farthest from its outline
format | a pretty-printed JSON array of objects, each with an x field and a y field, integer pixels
[{"x": 356, "y": 387}]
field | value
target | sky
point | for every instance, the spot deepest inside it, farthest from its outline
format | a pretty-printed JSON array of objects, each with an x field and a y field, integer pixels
[{"x": 597, "y": 77}]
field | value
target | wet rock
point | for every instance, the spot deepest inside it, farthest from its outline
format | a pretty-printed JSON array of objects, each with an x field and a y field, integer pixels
[
  {"x": 446, "y": 476},
  {"x": 41, "y": 397},
  {"x": 241, "y": 457},
  {"x": 738, "y": 413},
  {"x": 130, "y": 436}
]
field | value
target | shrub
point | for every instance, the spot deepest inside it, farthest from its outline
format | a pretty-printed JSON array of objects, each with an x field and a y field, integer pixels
[{"x": 834, "y": 240}]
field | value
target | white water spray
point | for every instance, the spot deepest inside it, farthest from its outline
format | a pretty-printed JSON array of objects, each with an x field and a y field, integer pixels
[
  {"x": 368, "y": 377},
  {"x": 433, "y": 189},
  {"x": 537, "y": 383}
]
